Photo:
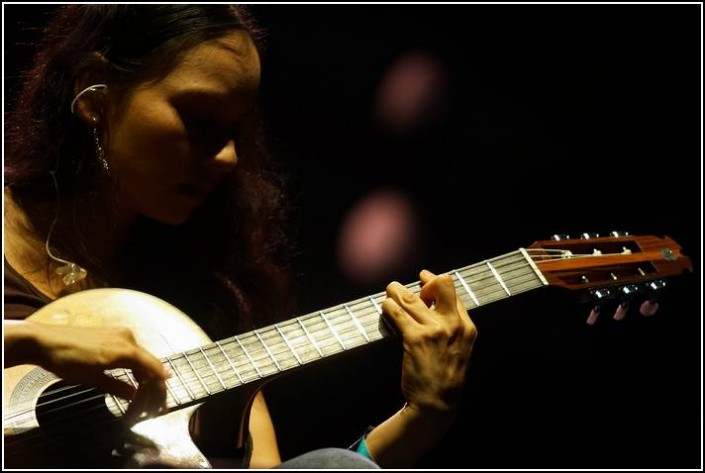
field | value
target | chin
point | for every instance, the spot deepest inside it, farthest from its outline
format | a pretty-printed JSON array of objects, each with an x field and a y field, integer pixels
[
  {"x": 176, "y": 220},
  {"x": 172, "y": 218}
]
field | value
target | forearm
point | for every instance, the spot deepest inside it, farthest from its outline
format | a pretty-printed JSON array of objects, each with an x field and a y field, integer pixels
[
  {"x": 20, "y": 340},
  {"x": 401, "y": 440}
]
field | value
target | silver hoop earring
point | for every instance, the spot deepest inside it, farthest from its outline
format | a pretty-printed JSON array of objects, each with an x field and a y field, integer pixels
[{"x": 90, "y": 88}]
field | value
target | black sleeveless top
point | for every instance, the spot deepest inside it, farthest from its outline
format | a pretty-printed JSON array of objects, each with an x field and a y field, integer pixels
[{"x": 21, "y": 299}]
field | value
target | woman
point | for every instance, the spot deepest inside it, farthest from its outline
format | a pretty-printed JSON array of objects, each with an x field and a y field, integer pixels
[{"x": 134, "y": 159}]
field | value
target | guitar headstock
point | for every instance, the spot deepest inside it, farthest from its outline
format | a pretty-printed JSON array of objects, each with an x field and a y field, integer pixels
[{"x": 618, "y": 267}]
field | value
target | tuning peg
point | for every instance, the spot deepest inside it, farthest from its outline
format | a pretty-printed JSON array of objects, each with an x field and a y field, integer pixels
[
  {"x": 560, "y": 237},
  {"x": 618, "y": 233},
  {"x": 627, "y": 294},
  {"x": 650, "y": 306},
  {"x": 588, "y": 235},
  {"x": 600, "y": 297}
]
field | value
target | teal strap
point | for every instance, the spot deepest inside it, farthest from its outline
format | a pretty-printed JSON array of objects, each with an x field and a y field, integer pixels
[
  {"x": 362, "y": 449},
  {"x": 360, "y": 446}
]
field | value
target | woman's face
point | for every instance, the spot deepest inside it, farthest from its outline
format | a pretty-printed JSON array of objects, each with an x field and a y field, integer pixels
[{"x": 171, "y": 141}]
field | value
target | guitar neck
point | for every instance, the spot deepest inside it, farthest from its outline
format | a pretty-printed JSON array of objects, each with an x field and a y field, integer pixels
[
  {"x": 627, "y": 262},
  {"x": 233, "y": 362}
]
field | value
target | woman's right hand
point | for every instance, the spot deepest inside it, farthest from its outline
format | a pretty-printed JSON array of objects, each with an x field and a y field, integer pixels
[{"x": 82, "y": 354}]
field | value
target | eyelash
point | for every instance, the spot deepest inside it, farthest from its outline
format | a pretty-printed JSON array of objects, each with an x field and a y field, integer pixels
[{"x": 200, "y": 124}]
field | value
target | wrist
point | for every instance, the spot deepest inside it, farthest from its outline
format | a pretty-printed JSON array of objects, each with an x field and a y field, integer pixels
[
  {"x": 434, "y": 411},
  {"x": 428, "y": 415},
  {"x": 401, "y": 440}
]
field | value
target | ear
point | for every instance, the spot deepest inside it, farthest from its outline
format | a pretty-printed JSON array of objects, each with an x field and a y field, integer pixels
[{"x": 90, "y": 106}]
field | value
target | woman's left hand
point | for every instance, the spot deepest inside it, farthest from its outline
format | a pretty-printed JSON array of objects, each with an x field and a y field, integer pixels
[{"x": 438, "y": 339}]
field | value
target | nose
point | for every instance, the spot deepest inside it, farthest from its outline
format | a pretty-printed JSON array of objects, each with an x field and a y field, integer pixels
[{"x": 226, "y": 159}]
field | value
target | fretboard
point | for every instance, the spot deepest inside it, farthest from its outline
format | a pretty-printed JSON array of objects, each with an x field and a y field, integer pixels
[{"x": 233, "y": 362}]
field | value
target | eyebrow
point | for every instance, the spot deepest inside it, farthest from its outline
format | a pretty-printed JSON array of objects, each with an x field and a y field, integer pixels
[{"x": 209, "y": 94}]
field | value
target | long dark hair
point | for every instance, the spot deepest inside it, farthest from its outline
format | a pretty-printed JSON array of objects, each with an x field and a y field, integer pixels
[{"x": 230, "y": 256}]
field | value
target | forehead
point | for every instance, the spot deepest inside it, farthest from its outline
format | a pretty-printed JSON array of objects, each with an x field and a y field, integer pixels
[{"x": 227, "y": 66}]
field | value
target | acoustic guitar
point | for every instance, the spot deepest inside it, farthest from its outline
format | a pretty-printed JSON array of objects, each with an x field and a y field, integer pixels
[{"x": 48, "y": 423}]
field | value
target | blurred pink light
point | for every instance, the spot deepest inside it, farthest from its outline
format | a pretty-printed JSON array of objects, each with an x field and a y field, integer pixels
[
  {"x": 377, "y": 236},
  {"x": 410, "y": 92}
]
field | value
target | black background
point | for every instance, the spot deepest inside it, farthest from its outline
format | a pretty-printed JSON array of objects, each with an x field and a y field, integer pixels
[{"x": 559, "y": 119}]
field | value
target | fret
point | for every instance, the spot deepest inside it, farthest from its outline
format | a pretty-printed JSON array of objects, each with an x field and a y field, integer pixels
[
  {"x": 376, "y": 306},
  {"x": 203, "y": 370},
  {"x": 536, "y": 270},
  {"x": 185, "y": 375},
  {"x": 320, "y": 333},
  {"x": 191, "y": 376},
  {"x": 370, "y": 317},
  {"x": 467, "y": 289},
  {"x": 180, "y": 378},
  {"x": 223, "y": 376},
  {"x": 279, "y": 368},
  {"x": 126, "y": 375},
  {"x": 116, "y": 402},
  {"x": 512, "y": 271},
  {"x": 230, "y": 362},
  {"x": 310, "y": 338},
  {"x": 370, "y": 320},
  {"x": 332, "y": 329},
  {"x": 170, "y": 392},
  {"x": 258, "y": 353},
  {"x": 518, "y": 276},
  {"x": 130, "y": 378},
  {"x": 215, "y": 371},
  {"x": 133, "y": 381},
  {"x": 241, "y": 363},
  {"x": 489, "y": 282},
  {"x": 252, "y": 362},
  {"x": 357, "y": 323},
  {"x": 498, "y": 277},
  {"x": 288, "y": 344},
  {"x": 280, "y": 347},
  {"x": 482, "y": 284},
  {"x": 348, "y": 331}
]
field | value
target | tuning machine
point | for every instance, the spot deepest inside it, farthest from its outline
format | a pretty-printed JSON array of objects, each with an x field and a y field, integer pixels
[
  {"x": 600, "y": 298},
  {"x": 627, "y": 294},
  {"x": 650, "y": 306}
]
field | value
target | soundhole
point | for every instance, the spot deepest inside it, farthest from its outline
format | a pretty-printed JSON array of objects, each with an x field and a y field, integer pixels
[{"x": 78, "y": 422}]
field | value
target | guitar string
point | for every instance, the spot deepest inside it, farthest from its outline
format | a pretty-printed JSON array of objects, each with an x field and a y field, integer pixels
[
  {"x": 375, "y": 318},
  {"x": 261, "y": 341},
  {"x": 375, "y": 313},
  {"x": 267, "y": 331},
  {"x": 331, "y": 312},
  {"x": 334, "y": 310},
  {"x": 288, "y": 349}
]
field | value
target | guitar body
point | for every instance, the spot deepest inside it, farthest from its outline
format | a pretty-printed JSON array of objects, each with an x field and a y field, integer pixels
[{"x": 37, "y": 439}]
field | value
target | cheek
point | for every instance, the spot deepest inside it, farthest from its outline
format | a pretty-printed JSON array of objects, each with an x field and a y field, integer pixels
[{"x": 149, "y": 146}]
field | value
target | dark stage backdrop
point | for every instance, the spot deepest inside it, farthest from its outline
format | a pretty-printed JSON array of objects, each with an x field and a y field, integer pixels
[{"x": 539, "y": 119}]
